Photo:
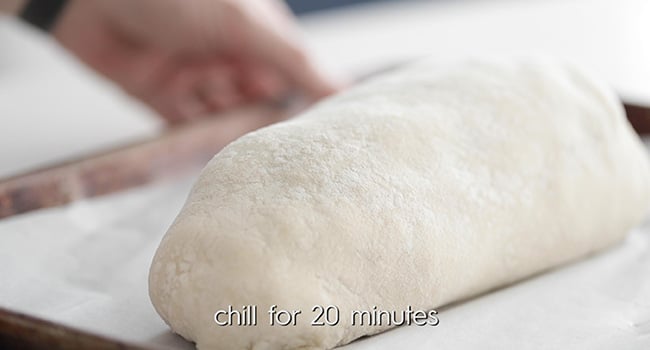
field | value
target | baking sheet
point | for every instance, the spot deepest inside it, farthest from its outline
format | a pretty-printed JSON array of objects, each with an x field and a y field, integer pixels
[{"x": 85, "y": 265}]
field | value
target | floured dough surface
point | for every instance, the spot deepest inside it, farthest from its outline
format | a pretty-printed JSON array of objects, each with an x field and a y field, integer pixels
[{"x": 416, "y": 189}]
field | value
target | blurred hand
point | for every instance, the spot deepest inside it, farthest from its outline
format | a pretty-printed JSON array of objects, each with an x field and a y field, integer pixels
[{"x": 187, "y": 58}]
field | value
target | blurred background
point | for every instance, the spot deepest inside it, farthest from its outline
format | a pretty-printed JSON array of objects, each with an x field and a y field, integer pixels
[{"x": 53, "y": 108}]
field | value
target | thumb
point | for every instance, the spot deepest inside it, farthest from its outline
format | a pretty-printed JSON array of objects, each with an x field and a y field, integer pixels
[{"x": 284, "y": 52}]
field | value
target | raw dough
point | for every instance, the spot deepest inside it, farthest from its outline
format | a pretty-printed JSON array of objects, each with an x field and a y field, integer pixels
[{"x": 419, "y": 188}]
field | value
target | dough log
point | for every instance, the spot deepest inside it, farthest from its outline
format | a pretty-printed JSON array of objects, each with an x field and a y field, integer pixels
[{"x": 419, "y": 188}]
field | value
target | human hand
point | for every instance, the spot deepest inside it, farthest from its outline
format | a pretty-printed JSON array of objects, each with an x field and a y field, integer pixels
[{"x": 187, "y": 58}]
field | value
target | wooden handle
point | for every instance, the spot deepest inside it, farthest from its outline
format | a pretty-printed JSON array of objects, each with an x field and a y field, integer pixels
[
  {"x": 175, "y": 152},
  {"x": 639, "y": 118},
  {"x": 19, "y": 331}
]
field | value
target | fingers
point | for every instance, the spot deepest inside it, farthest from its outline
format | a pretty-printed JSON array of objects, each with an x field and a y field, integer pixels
[
  {"x": 174, "y": 98},
  {"x": 273, "y": 40},
  {"x": 296, "y": 65},
  {"x": 260, "y": 82},
  {"x": 197, "y": 89},
  {"x": 194, "y": 89},
  {"x": 136, "y": 48},
  {"x": 217, "y": 88}
]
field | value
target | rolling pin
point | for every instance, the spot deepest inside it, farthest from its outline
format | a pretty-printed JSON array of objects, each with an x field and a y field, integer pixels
[{"x": 175, "y": 152}]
